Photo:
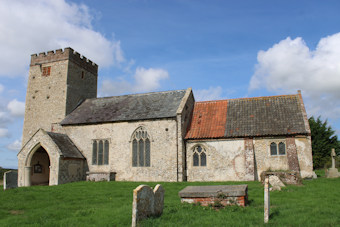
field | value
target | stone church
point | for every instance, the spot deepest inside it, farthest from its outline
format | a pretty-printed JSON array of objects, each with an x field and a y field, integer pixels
[{"x": 71, "y": 135}]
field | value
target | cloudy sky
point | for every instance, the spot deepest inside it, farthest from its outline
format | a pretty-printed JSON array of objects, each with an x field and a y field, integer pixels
[{"x": 222, "y": 49}]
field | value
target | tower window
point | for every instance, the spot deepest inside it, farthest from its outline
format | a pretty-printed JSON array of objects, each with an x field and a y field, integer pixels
[{"x": 46, "y": 71}]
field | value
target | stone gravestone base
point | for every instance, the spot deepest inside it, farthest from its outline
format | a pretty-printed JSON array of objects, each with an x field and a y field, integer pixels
[
  {"x": 100, "y": 176},
  {"x": 10, "y": 179},
  {"x": 221, "y": 195},
  {"x": 147, "y": 202},
  {"x": 332, "y": 173}
]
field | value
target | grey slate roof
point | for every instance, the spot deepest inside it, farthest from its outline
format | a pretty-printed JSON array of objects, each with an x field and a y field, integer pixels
[
  {"x": 126, "y": 108},
  {"x": 276, "y": 115},
  {"x": 66, "y": 146}
]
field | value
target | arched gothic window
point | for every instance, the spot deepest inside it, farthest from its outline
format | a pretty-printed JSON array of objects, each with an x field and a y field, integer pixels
[
  {"x": 199, "y": 156},
  {"x": 141, "y": 147}
]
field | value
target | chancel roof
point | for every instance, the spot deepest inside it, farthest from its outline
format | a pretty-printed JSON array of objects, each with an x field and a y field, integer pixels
[
  {"x": 66, "y": 146},
  {"x": 249, "y": 117},
  {"x": 145, "y": 106}
]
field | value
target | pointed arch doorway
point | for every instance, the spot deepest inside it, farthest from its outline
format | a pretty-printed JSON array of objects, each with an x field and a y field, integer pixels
[{"x": 40, "y": 163}]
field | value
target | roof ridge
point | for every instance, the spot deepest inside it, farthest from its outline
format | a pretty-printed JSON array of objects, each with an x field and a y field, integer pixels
[
  {"x": 263, "y": 97},
  {"x": 258, "y": 97},
  {"x": 211, "y": 101},
  {"x": 139, "y": 94}
]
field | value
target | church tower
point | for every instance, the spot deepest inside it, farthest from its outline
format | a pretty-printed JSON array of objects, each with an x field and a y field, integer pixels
[{"x": 58, "y": 82}]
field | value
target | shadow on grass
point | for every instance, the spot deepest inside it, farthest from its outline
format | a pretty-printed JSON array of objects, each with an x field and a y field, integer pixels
[{"x": 274, "y": 214}]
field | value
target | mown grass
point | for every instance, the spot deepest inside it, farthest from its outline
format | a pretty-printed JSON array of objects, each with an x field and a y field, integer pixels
[{"x": 316, "y": 203}]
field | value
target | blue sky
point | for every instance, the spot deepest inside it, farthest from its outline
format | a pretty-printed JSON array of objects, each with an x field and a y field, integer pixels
[{"x": 222, "y": 49}]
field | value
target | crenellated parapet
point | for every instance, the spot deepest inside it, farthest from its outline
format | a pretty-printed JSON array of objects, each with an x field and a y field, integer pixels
[{"x": 67, "y": 54}]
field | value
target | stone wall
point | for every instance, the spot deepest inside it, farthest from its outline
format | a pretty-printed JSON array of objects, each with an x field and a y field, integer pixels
[
  {"x": 184, "y": 114},
  {"x": 225, "y": 161},
  {"x": 71, "y": 170},
  {"x": 304, "y": 152},
  {"x": 264, "y": 161},
  {"x": 163, "y": 134},
  {"x": 298, "y": 155}
]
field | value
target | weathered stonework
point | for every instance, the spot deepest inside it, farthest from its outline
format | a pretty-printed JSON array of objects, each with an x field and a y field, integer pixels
[
  {"x": 60, "y": 170},
  {"x": 163, "y": 141},
  {"x": 50, "y": 98},
  {"x": 218, "y": 195},
  {"x": 225, "y": 161}
]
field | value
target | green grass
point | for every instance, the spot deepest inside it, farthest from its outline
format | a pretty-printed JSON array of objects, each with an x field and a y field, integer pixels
[{"x": 316, "y": 203}]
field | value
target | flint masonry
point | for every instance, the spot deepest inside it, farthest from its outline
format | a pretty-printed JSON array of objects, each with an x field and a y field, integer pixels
[{"x": 71, "y": 135}]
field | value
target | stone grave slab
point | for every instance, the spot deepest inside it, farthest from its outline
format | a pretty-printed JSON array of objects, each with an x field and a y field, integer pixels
[{"x": 222, "y": 194}]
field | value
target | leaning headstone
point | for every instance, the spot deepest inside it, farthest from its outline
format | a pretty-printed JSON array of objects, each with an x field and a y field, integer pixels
[
  {"x": 10, "y": 179},
  {"x": 159, "y": 200},
  {"x": 276, "y": 183},
  {"x": 266, "y": 199},
  {"x": 333, "y": 172},
  {"x": 147, "y": 202}
]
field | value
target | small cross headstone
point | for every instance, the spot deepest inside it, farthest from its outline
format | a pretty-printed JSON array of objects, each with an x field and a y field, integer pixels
[
  {"x": 333, "y": 172},
  {"x": 147, "y": 202},
  {"x": 333, "y": 157}
]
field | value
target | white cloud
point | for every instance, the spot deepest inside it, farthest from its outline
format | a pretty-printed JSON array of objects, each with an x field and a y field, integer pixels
[
  {"x": 4, "y": 119},
  {"x": 290, "y": 65},
  {"x": 149, "y": 79},
  {"x": 16, "y": 108},
  {"x": 15, "y": 146},
  {"x": 4, "y": 132},
  {"x": 41, "y": 25},
  {"x": 1, "y": 88},
  {"x": 212, "y": 93},
  {"x": 145, "y": 80}
]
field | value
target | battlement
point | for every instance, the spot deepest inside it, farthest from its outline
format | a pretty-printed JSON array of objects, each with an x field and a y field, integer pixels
[{"x": 67, "y": 54}]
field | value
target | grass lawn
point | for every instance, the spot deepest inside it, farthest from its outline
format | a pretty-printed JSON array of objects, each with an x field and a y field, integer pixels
[{"x": 316, "y": 203}]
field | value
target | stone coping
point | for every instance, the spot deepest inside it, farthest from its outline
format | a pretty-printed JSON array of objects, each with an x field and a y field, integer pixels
[{"x": 213, "y": 191}]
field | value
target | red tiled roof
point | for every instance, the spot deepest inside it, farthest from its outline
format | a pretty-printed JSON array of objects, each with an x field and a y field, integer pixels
[
  {"x": 248, "y": 117},
  {"x": 208, "y": 120}
]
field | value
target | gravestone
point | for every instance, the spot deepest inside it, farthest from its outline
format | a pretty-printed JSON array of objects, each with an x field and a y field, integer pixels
[
  {"x": 333, "y": 172},
  {"x": 10, "y": 179},
  {"x": 266, "y": 199},
  {"x": 222, "y": 194},
  {"x": 147, "y": 202},
  {"x": 276, "y": 183},
  {"x": 159, "y": 200}
]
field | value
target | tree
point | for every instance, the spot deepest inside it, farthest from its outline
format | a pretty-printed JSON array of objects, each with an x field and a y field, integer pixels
[{"x": 323, "y": 140}]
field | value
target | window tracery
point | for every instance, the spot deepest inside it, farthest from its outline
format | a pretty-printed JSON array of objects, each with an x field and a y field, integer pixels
[
  {"x": 141, "y": 148},
  {"x": 199, "y": 156}
]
